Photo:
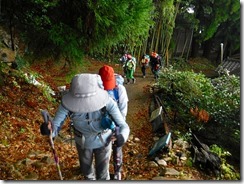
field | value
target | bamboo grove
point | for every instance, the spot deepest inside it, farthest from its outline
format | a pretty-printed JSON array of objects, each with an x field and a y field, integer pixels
[{"x": 108, "y": 28}]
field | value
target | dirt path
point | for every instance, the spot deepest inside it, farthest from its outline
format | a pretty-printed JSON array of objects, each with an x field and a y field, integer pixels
[
  {"x": 137, "y": 148},
  {"x": 136, "y": 165}
]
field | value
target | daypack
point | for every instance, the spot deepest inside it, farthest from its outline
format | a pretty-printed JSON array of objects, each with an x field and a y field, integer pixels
[
  {"x": 123, "y": 58},
  {"x": 107, "y": 121},
  {"x": 119, "y": 79},
  {"x": 145, "y": 60},
  {"x": 130, "y": 64}
]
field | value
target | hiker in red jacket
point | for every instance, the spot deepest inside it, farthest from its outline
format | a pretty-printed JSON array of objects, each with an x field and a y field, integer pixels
[{"x": 155, "y": 64}]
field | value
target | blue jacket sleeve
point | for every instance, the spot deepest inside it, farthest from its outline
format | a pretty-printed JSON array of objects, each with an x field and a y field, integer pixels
[{"x": 59, "y": 119}]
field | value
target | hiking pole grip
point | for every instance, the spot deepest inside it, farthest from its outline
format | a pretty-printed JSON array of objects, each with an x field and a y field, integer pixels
[{"x": 47, "y": 118}]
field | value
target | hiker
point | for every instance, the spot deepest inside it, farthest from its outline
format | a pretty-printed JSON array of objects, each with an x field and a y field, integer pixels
[
  {"x": 144, "y": 62},
  {"x": 83, "y": 103},
  {"x": 130, "y": 69},
  {"x": 123, "y": 61},
  {"x": 118, "y": 92},
  {"x": 155, "y": 63}
]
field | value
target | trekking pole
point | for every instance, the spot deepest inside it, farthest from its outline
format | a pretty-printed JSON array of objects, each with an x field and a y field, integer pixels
[
  {"x": 115, "y": 156},
  {"x": 48, "y": 118},
  {"x": 55, "y": 156}
]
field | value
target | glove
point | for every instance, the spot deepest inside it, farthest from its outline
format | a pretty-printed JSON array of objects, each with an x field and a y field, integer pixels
[
  {"x": 120, "y": 140},
  {"x": 44, "y": 129}
]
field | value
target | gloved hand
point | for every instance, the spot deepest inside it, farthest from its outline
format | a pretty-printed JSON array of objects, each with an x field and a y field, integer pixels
[
  {"x": 44, "y": 129},
  {"x": 120, "y": 140}
]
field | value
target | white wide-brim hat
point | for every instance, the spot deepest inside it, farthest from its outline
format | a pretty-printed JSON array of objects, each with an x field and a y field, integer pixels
[{"x": 84, "y": 94}]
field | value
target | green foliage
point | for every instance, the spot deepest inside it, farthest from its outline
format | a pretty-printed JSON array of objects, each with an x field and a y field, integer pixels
[
  {"x": 117, "y": 22},
  {"x": 38, "y": 14},
  {"x": 227, "y": 171},
  {"x": 225, "y": 106},
  {"x": 67, "y": 41},
  {"x": 21, "y": 62},
  {"x": 217, "y": 16},
  {"x": 77, "y": 68},
  {"x": 212, "y": 20},
  {"x": 219, "y": 97},
  {"x": 197, "y": 65},
  {"x": 187, "y": 87},
  {"x": 189, "y": 162}
]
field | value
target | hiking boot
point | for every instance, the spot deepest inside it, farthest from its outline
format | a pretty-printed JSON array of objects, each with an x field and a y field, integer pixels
[
  {"x": 128, "y": 81},
  {"x": 117, "y": 176},
  {"x": 144, "y": 76},
  {"x": 134, "y": 81}
]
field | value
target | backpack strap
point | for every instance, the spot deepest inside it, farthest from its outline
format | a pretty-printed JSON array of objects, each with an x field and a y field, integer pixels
[
  {"x": 116, "y": 94},
  {"x": 103, "y": 110}
]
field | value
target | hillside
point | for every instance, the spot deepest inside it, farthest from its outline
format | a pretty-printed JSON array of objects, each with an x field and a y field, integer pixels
[{"x": 26, "y": 155}]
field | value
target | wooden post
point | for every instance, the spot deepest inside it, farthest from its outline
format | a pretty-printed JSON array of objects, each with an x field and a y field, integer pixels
[{"x": 221, "y": 56}]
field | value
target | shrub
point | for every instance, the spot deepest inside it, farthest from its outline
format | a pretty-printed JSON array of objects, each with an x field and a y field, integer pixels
[{"x": 194, "y": 96}]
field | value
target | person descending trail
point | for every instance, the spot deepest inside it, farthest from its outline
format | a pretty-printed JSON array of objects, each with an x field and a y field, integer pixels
[
  {"x": 144, "y": 63},
  {"x": 113, "y": 83},
  {"x": 130, "y": 69},
  {"x": 123, "y": 61},
  {"x": 155, "y": 64}
]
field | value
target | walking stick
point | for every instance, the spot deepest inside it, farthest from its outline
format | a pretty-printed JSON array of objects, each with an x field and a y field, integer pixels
[
  {"x": 55, "y": 156},
  {"x": 48, "y": 118},
  {"x": 116, "y": 157}
]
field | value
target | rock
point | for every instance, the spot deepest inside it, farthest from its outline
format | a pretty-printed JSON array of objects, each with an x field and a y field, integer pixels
[
  {"x": 183, "y": 158},
  {"x": 32, "y": 176},
  {"x": 171, "y": 171},
  {"x": 162, "y": 162},
  {"x": 167, "y": 159},
  {"x": 163, "y": 178},
  {"x": 131, "y": 137},
  {"x": 152, "y": 164},
  {"x": 155, "y": 138},
  {"x": 137, "y": 139}
]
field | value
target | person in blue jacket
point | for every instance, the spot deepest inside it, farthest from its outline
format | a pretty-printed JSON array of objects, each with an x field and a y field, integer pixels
[{"x": 83, "y": 103}]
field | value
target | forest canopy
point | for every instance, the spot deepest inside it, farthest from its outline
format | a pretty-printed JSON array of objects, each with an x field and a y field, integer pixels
[{"x": 109, "y": 28}]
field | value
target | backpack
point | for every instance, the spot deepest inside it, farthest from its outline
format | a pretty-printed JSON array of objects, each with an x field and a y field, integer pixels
[
  {"x": 119, "y": 79},
  {"x": 107, "y": 121},
  {"x": 145, "y": 60},
  {"x": 130, "y": 64}
]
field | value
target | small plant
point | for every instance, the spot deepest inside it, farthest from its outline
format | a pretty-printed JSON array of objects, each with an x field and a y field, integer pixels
[
  {"x": 21, "y": 63},
  {"x": 22, "y": 130},
  {"x": 227, "y": 171}
]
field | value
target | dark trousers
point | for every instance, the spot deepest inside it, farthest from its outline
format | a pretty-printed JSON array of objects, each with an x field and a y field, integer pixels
[{"x": 143, "y": 70}]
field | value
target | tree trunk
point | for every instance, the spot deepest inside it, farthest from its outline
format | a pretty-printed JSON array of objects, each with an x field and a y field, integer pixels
[
  {"x": 194, "y": 47},
  {"x": 188, "y": 50},
  {"x": 207, "y": 45}
]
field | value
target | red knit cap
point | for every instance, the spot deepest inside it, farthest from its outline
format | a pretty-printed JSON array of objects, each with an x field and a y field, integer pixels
[{"x": 108, "y": 78}]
